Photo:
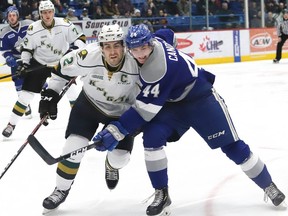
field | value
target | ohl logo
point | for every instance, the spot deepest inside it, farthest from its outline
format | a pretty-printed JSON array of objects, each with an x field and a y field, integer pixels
[
  {"x": 261, "y": 40},
  {"x": 210, "y": 45}
]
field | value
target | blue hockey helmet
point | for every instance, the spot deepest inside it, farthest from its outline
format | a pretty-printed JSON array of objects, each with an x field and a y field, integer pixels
[
  {"x": 12, "y": 9},
  {"x": 137, "y": 36}
]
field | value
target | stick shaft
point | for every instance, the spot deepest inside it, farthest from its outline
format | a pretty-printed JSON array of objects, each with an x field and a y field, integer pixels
[{"x": 64, "y": 90}]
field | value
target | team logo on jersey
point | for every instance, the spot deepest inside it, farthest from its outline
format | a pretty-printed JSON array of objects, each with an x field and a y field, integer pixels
[
  {"x": 11, "y": 36},
  {"x": 82, "y": 54},
  {"x": 30, "y": 28},
  {"x": 66, "y": 20}
]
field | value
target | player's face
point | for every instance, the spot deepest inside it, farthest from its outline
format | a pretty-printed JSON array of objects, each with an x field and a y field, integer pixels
[
  {"x": 12, "y": 18},
  {"x": 47, "y": 17},
  {"x": 285, "y": 16},
  {"x": 113, "y": 52},
  {"x": 142, "y": 53}
]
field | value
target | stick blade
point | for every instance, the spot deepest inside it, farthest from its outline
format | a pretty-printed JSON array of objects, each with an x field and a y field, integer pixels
[{"x": 40, "y": 150}]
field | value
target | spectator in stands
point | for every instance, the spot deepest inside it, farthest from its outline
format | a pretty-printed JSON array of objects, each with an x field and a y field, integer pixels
[
  {"x": 279, "y": 12},
  {"x": 200, "y": 7},
  {"x": 71, "y": 15},
  {"x": 149, "y": 4},
  {"x": 226, "y": 16},
  {"x": 253, "y": 10},
  {"x": 163, "y": 14},
  {"x": 162, "y": 21},
  {"x": 65, "y": 3},
  {"x": 25, "y": 10},
  {"x": 150, "y": 17},
  {"x": 255, "y": 22},
  {"x": 4, "y": 5},
  {"x": 58, "y": 8},
  {"x": 270, "y": 20},
  {"x": 280, "y": 8},
  {"x": 82, "y": 3},
  {"x": 171, "y": 8},
  {"x": 237, "y": 6},
  {"x": 159, "y": 4},
  {"x": 110, "y": 9},
  {"x": 35, "y": 11},
  {"x": 271, "y": 6},
  {"x": 138, "y": 19},
  {"x": 98, "y": 14},
  {"x": 183, "y": 7},
  {"x": 125, "y": 7},
  {"x": 84, "y": 15},
  {"x": 93, "y": 6},
  {"x": 214, "y": 6}
]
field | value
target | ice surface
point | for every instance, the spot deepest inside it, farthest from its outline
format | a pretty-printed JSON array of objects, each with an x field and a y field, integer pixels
[{"x": 203, "y": 182}]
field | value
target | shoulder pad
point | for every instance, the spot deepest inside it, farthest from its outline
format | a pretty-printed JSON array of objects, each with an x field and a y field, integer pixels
[
  {"x": 5, "y": 30},
  {"x": 156, "y": 66},
  {"x": 26, "y": 22}
]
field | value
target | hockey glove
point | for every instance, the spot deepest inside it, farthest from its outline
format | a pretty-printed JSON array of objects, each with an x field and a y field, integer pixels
[
  {"x": 21, "y": 70},
  {"x": 11, "y": 61},
  {"x": 48, "y": 104},
  {"x": 110, "y": 136}
]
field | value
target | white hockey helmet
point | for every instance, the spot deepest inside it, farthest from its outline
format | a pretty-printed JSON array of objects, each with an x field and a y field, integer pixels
[
  {"x": 46, "y": 5},
  {"x": 110, "y": 33}
]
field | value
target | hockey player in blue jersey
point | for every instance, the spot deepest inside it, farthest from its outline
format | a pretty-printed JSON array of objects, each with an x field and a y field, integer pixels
[
  {"x": 11, "y": 38},
  {"x": 175, "y": 95}
]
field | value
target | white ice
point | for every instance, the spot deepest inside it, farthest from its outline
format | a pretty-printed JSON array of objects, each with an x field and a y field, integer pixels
[{"x": 202, "y": 182}]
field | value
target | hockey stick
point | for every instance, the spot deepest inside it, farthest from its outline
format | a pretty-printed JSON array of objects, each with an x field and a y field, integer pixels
[
  {"x": 29, "y": 70},
  {"x": 48, "y": 158},
  {"x": 6, "y": 76},
  {"x": 64, "y": 90},
  {"x": 23, "y": 146}
]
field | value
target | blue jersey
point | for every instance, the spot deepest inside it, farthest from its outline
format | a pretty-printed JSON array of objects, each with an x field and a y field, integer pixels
[
  {"x": 167, "y": 76},
  {"x": 11, "y": 39}
]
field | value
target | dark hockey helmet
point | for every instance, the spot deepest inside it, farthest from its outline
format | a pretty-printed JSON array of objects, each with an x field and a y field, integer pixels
[{"x": 137, "y": 36}]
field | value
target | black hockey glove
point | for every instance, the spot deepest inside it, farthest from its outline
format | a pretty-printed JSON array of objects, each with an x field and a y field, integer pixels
[
  {"x": 22, "y": 70},
  {"x": 48, "y": 104}
]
